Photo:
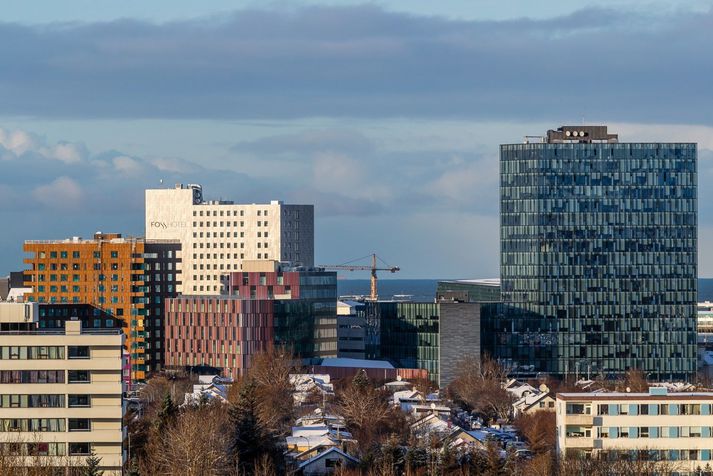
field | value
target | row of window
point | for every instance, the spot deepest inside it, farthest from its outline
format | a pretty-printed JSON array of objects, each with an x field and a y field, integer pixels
[
  {"x": 227, "y": 213},
  {"x": 226, "y": 245},
  {"x": 44, "y": 352},
  {"x": 46, "y": 449},
  {"x": 658, "y": 455},
  {"x": 640, "y": 409},
  {"x": 226, "y": 223},
  {"x": 45, "y": 424},
  {"x": 578, "y": 431},
  {"x": 75, "y": 254},
  {"x": 44, "y": 401},
  {"x": 44, "y": 376}
]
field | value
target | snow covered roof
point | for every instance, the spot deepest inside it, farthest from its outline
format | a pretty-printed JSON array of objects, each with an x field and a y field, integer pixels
[
  {"x": 327, "y": 453},
  {"x": 358, "y": 363}
]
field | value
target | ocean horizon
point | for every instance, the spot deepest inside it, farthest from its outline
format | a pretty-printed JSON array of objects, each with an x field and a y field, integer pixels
[{"x": 425, "y": 289}]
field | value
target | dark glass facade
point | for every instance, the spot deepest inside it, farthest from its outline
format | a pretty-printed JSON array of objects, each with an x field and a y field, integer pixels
[
  {"x": 598, "y": 259},
  {"x": 408, "y": 334}
]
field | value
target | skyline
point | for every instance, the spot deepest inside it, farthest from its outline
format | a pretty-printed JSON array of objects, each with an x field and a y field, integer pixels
[{"x": 398, "y": 153}]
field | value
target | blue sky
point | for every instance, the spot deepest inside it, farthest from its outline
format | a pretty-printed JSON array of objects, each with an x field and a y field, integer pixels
[{"x": 386, "y": 115}]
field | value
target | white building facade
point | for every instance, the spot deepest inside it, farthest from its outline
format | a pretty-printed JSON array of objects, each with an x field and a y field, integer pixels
[
  {"x": 674, "y": 428},
  {"x": 60, "y": 393},
  {"x": 217, "y": 236}
]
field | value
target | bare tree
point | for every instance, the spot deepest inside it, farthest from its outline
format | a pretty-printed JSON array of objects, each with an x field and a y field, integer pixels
[
  {"x": 539, "y": 429},
  {"x": 367, "y": 412},
  {"x": 635, "y": 380},
  {"x": 195, "y": 444},
  {"x": 478, "y": 386}
]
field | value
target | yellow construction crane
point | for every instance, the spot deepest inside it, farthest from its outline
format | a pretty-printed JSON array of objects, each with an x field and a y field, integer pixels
[{"x": 374, "y": 295}]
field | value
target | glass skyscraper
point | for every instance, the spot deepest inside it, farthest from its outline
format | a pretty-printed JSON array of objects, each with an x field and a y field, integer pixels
[{"x": 598, "y": 256}]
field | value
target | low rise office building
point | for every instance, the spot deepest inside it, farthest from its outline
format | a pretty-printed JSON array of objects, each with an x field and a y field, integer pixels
[
  {"x": 435, "y": 336},
  {"x": 673, "y": 428},
  {"x": 60, "y": 392}
]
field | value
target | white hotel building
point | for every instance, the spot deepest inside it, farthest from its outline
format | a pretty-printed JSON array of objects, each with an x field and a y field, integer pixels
[
  {"x": 217, "y": 236},
  {"x": 675, "y": 428}
]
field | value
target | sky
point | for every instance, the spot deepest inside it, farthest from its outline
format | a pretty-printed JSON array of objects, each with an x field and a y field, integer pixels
[{"x": 387, "y": 115}]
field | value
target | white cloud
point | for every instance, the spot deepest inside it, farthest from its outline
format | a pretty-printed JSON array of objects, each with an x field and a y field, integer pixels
[
  {"x": 127, "y": 165},
  {"x": 63, "y": 193},
  {"x": 67, "y": 152},
  {"x": 17, "y": 141}
]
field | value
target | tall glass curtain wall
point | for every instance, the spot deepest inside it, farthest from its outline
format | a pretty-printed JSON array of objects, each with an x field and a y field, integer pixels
[{"x": 598, "y": 258}]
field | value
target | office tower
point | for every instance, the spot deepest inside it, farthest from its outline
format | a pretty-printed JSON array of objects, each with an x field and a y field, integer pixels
[
  {"x": 60, "y": 392},
  {"x": 269, "y": 304},
  {"x": 598, "y": 255},
  {"x": 217, "y": 236},
  {"x": 125, "y": 277}
]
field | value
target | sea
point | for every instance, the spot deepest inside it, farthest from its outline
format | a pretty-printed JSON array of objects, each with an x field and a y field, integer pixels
[{"x": 425, "y": 289}]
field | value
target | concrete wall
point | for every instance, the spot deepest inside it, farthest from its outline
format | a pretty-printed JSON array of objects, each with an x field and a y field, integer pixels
[{"x": 459, "y": 337}]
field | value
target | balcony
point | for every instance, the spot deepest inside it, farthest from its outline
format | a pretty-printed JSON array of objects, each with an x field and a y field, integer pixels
[{"x": 579, "y": 419}]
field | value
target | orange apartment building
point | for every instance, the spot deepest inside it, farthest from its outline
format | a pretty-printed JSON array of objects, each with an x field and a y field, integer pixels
[{"x": 126, "y": 277}]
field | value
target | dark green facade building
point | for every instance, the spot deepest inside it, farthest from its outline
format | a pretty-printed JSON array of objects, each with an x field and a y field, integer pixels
[
  {"x": 427, "y": 335},
  {"x": 598, "y": 256}
]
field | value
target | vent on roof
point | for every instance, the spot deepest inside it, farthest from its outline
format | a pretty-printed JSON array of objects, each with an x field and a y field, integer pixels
[{"x": 658, "y": 391}]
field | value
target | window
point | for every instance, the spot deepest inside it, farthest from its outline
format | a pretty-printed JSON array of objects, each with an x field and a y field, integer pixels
[
  {"x": 114, "y": 254},
  {"x": 572, "y": 408},
  {"x": 78, "y": 351},
  {"x": 79, "y": 424},
  {"x": 75, "y": 254},
  {"x": 76, "y": 401},
  {"x": 79, "y": 449},
  {"x": 575, "y": 431},
  {"x": 78, "y": 376}
]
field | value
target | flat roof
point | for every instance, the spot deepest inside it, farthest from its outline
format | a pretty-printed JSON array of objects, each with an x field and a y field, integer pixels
[
  {"x": 583, "y": 396},
  {"x": 483, "y": 282}
]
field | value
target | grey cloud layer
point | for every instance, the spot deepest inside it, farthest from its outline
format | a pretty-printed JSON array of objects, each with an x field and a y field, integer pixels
[{"x": 363, "y": 61}]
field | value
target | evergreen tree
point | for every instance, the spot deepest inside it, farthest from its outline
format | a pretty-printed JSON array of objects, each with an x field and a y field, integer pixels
[
  {"x": 92, "y": 468},
  {"x": 250, "y": 441},
  {"x": 361, "y": 382},
  {"x": 133, "y": 467},
  {"x": 166, "y": 414}
]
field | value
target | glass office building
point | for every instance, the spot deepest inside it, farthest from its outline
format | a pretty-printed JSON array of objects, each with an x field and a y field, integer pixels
[{"x": 598, "y": 256}]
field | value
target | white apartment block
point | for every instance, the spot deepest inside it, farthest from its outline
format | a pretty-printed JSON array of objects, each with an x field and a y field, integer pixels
[
  {"x": 217, "y": 236},
  {"x": 674, "y": 428},
  {"x": 60, "y": 393}
]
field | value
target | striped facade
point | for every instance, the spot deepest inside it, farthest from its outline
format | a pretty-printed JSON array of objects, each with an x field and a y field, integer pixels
[{"x": 295, "y": 309}]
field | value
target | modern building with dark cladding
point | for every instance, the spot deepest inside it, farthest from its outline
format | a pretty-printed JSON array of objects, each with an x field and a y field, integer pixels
[
  {"x": 434, "y": 336},
  {"x": 598, "y": 256}
]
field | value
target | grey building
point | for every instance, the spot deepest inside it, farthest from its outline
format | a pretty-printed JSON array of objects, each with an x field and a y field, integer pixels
[{"x": 598, "y": 256}]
